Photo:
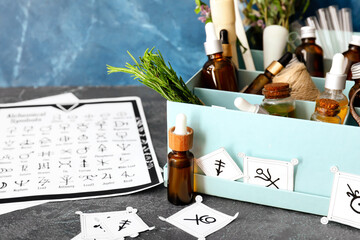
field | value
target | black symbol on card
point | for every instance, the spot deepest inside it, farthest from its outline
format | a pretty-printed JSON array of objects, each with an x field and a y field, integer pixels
[
  {"x": 3, "y": 185},
  {"x": 21, "y": 183},
  {"x": 24, "y": 167},
  {"x": 102, "y": 148},
  {"x": 9, "y": 143},
  {"x": 123, "y": 146},
  {"x": 106, "y": 175},
  {"x": 82, "y": 127},
  {"x": 121, "y": 114},
  {"x": 56, "y": 118},
  {"x": 266, "y": 178},
  {"x": 26, "y": 143},
  {"x": 101, "y": 124},
  {"x": 88, "y": 116},
  {"x": 66, "y": 179},
  {"x": 45, "y": 165},
  {"x": 6, "y": 157},
  {"x": 99, "y": 226},
  {"x": 64, "y": 139},
  {"x": 28, "y": 129},
  {"x": 72, "y": 117},
  {"x": 220, "y": 164},
  {"x": 119, "y": 124},
  {"x": 122, "y": 160},
  {"x": 66, "y": 151},
  {"x": 11, "y": 130},
  {"x": 102, "y": 162},
  {"x": 83, "y": 150},
  {"x": 5, "y": 170},
  {"x": 64, "y": 126},
  {"x": 45, "y": 129},
  {"x": 88, "y": 177},
  {"x": 25, "y": 155},
  {"x": 45, "y": 140},
  {"x": 84, "y": 163},
  {"x": 203, "y": 219},
  {"x": 43, "y": 181},
  {"x": 83, "y": 137},
  {"x": 100, "y": 136},
  {"x": 45, "y": 154},
  {"x": 123, "y": 224},
  {"x": 121, "y": 135},
  {"x": 355, "y": 201},
  {"x": 125, "y": 174},
  {"x": 65, "y": 164}
]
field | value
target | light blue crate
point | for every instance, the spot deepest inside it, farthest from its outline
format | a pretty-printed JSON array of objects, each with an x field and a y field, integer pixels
[{"x": 318, "y": 146}]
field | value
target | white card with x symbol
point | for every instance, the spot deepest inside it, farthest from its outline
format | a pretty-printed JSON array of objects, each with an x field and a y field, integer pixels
[
  {"x": 199, "y": 220},
  {"x": 269, "y": 173},
  {"x": 219, "y": 164}
]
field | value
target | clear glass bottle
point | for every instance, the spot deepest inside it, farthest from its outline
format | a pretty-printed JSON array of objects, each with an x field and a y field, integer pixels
[
  {"x": 277, "y": 100},
  {"x": 327, "y": 110},
  {"x": 352, "y": 55},
  {"x": 274, "y": 68},
  {"x": 335, "y": 84},
  {"x": 309, "y": 53},
  {"x": 355, "y": 71},
  {"x": 218, "y": 72},
  {"x": 180, "y": 184}
]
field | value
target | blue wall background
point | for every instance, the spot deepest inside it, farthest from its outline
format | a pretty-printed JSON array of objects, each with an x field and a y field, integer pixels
[{"x": 66, "y": 42}]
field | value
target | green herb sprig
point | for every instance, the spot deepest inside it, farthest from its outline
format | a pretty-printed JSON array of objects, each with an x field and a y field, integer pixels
[{"x": 153, "y": 72}]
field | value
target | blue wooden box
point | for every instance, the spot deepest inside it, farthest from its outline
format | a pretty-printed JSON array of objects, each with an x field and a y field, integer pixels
[{"x": 318, "y": 146}]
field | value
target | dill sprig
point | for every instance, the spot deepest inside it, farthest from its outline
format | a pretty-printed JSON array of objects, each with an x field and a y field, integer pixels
[{"x": 153, "y": 72}]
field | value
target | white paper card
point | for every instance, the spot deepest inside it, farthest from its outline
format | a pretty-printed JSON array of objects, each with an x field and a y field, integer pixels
[
  {"x": 269, "y": 173},
  {"x": 345, "y": 199},
  {"x": 112, "y": 225},
  {"x": 219, "y": 164},
  {"x": 199, "y": 220},
  {"x": 93, "y": 148}
]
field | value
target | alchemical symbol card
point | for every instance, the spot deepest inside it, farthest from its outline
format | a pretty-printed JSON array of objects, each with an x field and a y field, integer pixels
[{"x": 93, "y": 148}]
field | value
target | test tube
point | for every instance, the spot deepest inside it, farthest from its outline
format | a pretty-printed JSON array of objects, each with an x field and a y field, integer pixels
[
  {"x": 320, "y": 38},
  {"x": 327, "y": 28},
  {"x": 337, "y": 28},
  {"x": 346, "y": 22}
]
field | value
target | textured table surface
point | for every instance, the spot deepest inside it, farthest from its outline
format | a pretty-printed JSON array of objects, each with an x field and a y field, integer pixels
[{"x": 57, "y": 220}]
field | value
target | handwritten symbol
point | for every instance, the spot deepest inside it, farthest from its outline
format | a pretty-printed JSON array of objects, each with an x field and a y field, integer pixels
[
  {"x": 28, "y": 128},
  {"x": 82, "y": 127},
  {"x": 101, "y": 124},
  {"x": 64, "y": 126},
  {"x": 66, "y": 179},
  {"x": 9, "y": 143},
  {"x": 64, "y": 139},
  {"x": 27, "y": 142},
  {"x": 45, "y": 140},
  {"x": 83, "y": 137},
  {"x": 7, "y": 157},
  {"x": 105, "y": 115},
  {"x": 89, "y": 116},
  {"x": 4, "y": 185},
  {"x": 44, "y": 181},
  {"x": 259, "y": 171},
  {"x": 82, "y": 150},
  {"x": 88, "y": 177},
  {"x": 123, "y": 146},
  {"x": 99, "y": 226},
  {"x": 122, "y": 135},
  {"x": 45, "y": 128},
  {"x": 22, "y": 182},
  {"x": 66, "y": 151},
  {"x": 106, "y": 175},
  {"x": 125, "y": 174},
  {"x": 24, "y": 167},
  {"x": 123, "y": 223},
  {"x": 102, "y": 148},
  {"x": 355, "y": 201},
  {"x": 5, "y": 170},
  {"x": 121, "y": 114},
  {"x": 220, "y": 165},
  {"x": 11, "y": 129},
  {"x": 45, "y": 153},
  {"x": 119, "y": 124},
  {"x": 203, "y": 219},
  {"x": 45, "y": 165},
  {"x": 100, "y": 136},
  {"x": 68, "y": 163},
  {"x": 84, "y": 163},
  {"x": 25, "y": 155},
  {"x": 72, "y": 117},
  {"x": 102, "y": 162}
]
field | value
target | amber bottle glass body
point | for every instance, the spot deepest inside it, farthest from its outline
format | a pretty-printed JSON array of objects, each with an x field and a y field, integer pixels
[
  {"x": 312, "y": 56},
  {"x": 260, "y": 81},
  {"x": 355, "y": 71},
  {"x": 181, "y": 177},
  {"x": 353, "y": 56},
  {"x": 326, "y": 110},
  {"x": 219, "y": 73}
]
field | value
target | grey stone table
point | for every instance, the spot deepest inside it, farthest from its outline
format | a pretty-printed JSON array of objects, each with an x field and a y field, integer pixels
[{"x": 57, "y": 220}]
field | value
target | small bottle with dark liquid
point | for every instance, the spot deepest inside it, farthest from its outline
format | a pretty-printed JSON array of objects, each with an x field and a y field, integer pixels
[
  {"x": 180, "y": 163},
  {"x": 352, "y": 55},
  {"x": 355, "y": 71},
  {"x": 309, "y": 53}
]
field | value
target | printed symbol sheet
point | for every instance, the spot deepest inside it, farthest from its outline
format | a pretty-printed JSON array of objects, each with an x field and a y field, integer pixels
[{"x": 92, "y": 148}]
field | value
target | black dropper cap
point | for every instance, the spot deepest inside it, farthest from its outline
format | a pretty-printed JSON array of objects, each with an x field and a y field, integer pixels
[
  {"x": 285, "y": 59},
  {"x": 224, "y": 36}
]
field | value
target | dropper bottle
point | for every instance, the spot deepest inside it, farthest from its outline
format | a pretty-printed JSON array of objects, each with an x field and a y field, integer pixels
[
  {"x": 335, "y": 84},
  {"x": 218, "y": 72},
  {"x": 180, "y": 163},
  {"x": 262, "y": 79}
]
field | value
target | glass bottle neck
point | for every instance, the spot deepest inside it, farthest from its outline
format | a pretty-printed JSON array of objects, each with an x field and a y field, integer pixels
[
  {"x": 333, "y": 91},
  {"x": 180, "y": 153},
  {"x": 354, "y": 47},
  {"x": 215, "y": 55},
  {"x": 308, "y": 40}
]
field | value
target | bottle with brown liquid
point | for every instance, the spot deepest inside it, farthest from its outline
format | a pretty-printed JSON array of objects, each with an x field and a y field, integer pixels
[
  {"x": 218, "y": 72},
  {"x": 274, "y": 68},
  {"x": 309, "y": 53},
  {"x": 355, "y": 71},
  {"x": 277, "y": 100},
  {"x": 180, "y": 163},
  {"x": 327, "y": 110},
  {"x": 352, "y": 55}
]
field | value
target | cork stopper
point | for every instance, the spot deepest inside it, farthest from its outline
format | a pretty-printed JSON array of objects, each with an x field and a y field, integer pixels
[
  {"x": 328, "y": 107},
  {"x": 276, "y": 90},
  {"x": 181, "y": 143}
]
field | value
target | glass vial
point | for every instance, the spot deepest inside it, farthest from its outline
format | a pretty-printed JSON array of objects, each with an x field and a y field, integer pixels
[
  {"x": 355, "y": 71},
  {"x": 218, "y": 72},
  {"x": 327, "y": 110},
  {"x": 277, "y": 100},
  {"x": 352, "y": 55},
  {"x": 180, "y": 185},
  {"x": 274, "y": 68},
  {"x": 309, "y": 53}
]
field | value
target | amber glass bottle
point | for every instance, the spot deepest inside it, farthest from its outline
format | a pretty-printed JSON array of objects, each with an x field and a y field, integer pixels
[
  {"x": 327, "y": 110},
  {"x": 309, "y": 53},
  {"x": 274, "y": 68},
  {"x": 355, "y": 71},
  {"x": 180, "y": 163},
  {"x": 352, "y": 55},
  {"x": 218, "y": 72}
]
